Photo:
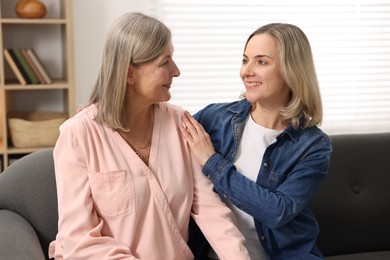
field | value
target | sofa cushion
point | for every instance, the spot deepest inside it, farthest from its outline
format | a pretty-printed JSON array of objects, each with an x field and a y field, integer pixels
[
  {"x": 352, "y": 206},
  {"x": 28, "y": 188}
]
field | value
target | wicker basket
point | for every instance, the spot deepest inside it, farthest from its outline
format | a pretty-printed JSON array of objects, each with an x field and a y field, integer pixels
[{"x": 35, "y": 129}]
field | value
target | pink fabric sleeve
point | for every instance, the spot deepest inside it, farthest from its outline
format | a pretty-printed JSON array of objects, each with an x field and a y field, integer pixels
[{"x": 216, "y": 220}]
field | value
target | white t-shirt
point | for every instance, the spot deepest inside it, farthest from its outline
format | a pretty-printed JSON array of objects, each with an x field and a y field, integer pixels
[{"x": 255, "y": 140}]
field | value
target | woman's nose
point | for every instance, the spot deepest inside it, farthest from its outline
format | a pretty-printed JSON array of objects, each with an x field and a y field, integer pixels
[
  {"x": 247, "y": 70},
  {"x": 175, "y": 70}
]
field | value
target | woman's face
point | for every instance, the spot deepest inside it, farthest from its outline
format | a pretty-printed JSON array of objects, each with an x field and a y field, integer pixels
[
  {"x": 260, "y": 72},
  {"x": 150, "y": 82}
]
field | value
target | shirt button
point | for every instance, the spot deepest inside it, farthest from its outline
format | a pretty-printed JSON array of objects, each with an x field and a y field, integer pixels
[
  {"x": 209, "y": 177},
  {"x": 266, "y": 165},
  {"x": 225, "y": 196},
  {"x": 262, "y": 238}
]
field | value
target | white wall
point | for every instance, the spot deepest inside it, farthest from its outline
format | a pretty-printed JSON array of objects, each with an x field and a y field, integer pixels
[{"x": 92, "y": 19}]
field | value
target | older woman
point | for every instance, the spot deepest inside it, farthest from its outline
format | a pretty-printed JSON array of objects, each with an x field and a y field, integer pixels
[{"x": 127, "y": 184}]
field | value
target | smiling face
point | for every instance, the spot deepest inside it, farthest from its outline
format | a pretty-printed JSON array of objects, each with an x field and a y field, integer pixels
[
  {"x": 260, "y": 72},
  {"x": 150, "y": 82}
]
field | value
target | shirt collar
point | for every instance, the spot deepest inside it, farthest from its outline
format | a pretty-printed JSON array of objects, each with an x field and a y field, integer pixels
[{"x": 243, "y": 107}]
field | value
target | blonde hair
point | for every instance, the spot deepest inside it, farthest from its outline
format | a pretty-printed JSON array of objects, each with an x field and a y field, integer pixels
[
  {"x": 298, "y": 71},
  {"x": 133, "y": 38}
]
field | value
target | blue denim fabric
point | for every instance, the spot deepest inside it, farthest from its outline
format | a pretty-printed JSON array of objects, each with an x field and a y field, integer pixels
[{"x": 291, "y": 171}]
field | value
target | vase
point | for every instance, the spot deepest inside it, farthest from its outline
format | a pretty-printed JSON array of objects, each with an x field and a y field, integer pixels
[{"x": 30, "y": 9}]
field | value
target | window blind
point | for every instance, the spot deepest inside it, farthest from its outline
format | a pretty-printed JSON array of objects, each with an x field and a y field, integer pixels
[{"x": 350, "y": 42}]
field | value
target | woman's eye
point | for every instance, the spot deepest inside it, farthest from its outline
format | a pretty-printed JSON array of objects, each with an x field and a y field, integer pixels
[
  {"x": 164, "y": 62},
  {"x": 261, "y": 62},
  {"x": 244, "y": 61}
]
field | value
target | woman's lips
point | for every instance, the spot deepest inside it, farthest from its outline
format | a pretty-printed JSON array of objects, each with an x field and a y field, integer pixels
[{"x": 252, "y": 84}]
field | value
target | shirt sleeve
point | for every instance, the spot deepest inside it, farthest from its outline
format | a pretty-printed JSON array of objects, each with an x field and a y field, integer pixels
[
  {"x": 216, "y": 220},
  {"x": 79, "y": 235},
  {"x": 272, "y": 208}
]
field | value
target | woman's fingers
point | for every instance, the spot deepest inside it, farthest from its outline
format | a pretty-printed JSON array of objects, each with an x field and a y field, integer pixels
[
  {"x": 197, "y": 138},
  {"x": 192, "y": 120},
  {"x": 185, "y": 134},
  {"x": 189, "y": 122},
  {"x": 186, "y": 128},
  {"x": 192, "y": 125}
]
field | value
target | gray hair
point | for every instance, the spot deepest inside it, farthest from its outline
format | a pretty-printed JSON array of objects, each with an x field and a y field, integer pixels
[{"x": 133, "y": 38}]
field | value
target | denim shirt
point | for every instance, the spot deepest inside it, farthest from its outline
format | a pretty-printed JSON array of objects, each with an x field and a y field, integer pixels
[{"x": 291, "y": 171}]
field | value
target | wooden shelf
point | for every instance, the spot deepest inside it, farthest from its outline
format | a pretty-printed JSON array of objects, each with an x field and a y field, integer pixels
[
  {"x": 55, "y": 85},
  {"x": 52, "y": 39},
  {"x": 32, "y": 21}
]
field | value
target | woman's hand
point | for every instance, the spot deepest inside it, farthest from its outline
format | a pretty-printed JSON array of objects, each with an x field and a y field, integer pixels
[{"x": 197, "y": 138}]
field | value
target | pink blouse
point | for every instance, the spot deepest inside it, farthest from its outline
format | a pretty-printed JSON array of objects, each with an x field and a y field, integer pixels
[{"x": 113, "y": 206}]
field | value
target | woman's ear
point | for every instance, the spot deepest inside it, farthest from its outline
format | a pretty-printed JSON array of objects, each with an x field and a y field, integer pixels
[{"x": 130, "y": 76}]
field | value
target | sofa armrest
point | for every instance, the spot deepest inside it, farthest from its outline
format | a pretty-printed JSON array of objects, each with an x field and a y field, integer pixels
[{"x": 18, "y": 240}]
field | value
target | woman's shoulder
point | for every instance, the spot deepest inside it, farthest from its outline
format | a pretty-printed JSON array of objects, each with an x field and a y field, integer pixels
[
  {"x": 222, "y": 109},
  {"x": 222, "y": 106},
  {"x": 314, "y": 134},
  {"x": 170, "y": 109},
  {"x": 82, "y": 118},
  {"x": 315, "y": 130}
]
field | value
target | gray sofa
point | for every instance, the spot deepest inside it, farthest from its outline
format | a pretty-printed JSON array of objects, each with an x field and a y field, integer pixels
[{"x": 352, "y": 206}]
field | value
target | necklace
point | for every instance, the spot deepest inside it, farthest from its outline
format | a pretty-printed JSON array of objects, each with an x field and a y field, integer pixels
[
  {"x": 138, "y": 151},
  {"x": 147, "y": 143},
  {"x": 142, "y": 150},
  {"x": 144, "y": 158}
]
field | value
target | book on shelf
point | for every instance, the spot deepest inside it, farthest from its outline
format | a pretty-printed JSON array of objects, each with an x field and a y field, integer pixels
[
  {"x": 26, "y": 66},
  {"x": 33, "y": 66},
  {"x": 19, "y": 65},
  {"x": 39, "y": 66},
  {"x": 14, "y": 67}
]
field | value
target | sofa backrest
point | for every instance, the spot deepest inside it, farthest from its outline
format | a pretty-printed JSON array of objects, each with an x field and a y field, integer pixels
[
  {"x": 28, "y": 188},
  {"x": 352, "y": 205}
]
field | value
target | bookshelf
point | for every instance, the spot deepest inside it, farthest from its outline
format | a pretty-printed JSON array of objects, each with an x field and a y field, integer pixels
[{"x": 51, "y": 38}]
